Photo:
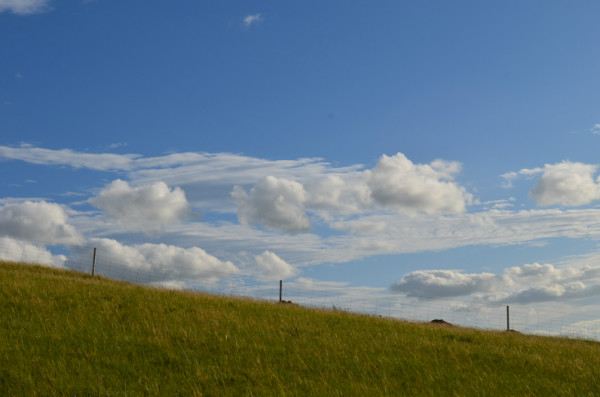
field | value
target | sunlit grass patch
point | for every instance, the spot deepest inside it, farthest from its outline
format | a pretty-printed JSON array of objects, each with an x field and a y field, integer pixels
[{"x": 64, "y": 333}]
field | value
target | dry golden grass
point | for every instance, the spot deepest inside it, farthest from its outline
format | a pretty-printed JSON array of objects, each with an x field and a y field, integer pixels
[{"x": 64, "y": 333}]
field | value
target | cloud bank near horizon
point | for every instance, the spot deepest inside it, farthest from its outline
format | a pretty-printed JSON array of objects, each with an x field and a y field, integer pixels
[
  {"x": 529, "y": 283},
  {"x": 309, "y": 213}
]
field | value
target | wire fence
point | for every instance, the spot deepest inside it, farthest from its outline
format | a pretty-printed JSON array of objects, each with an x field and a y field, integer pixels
[{"x": 558, "y": 319}]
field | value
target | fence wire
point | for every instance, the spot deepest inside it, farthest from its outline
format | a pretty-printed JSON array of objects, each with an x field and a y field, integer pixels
[{"x": 548, "y": 319}]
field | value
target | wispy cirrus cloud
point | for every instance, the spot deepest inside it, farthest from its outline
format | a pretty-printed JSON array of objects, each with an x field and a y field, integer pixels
[
  {"x": 395, "y": 183},
  {"x": 68, "y": 157},
  {"x": 509, "y": 177},
  {"x": 24, "y": 7},
  {"x": 252, "y": 19},
  {"x": 176, "y": 168},
  {"x": 288, "y": 196}
]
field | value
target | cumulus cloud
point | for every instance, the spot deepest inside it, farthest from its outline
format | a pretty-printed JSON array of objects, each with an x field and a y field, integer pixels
[
  {"x": 276, "y": 203},
  {"x": 38, "y": 221},
  {"x": 535, "y": 272},
  {"x": 159, "y": 264},
  {"x": 269, "y": 266},
  {"x": 432, "y": 284},
  {"x": 334, "y": 193},
  {"x": 398, "y": 183},
  {"x": 22, "y": 251},
  {"x": 544, "y": 282},
  {"x": 250, "y": 20},
  {"x": 24, "y": 7},
  {"x": 551, "y": 292},
  {"x": 394, "y": 184},
  {"x": 146, "y": 207},
  {"x": 529, "y": 283},
  {"x": 567, "y": 183}
]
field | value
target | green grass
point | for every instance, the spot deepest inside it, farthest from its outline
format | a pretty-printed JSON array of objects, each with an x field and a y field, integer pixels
[{"x": 64, "y": 333}]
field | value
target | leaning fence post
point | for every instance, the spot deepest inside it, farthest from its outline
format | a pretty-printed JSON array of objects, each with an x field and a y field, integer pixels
[
  {"x": 507, "y": 319},
  {"x": 94, "y": 263},
  {"x": 280, "y": 289}
]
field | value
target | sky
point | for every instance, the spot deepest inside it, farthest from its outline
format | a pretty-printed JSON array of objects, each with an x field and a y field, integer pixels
[{"x": 431, "y": 150}]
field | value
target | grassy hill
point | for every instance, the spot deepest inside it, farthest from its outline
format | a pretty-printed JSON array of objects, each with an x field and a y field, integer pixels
[{"x": 64, "y": 333}]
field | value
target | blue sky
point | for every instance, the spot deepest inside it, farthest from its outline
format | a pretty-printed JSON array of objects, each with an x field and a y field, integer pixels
[{"x": 437, "y": 150}]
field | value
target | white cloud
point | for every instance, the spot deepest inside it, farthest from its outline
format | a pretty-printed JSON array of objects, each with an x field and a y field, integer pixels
[
  {"x": 394, "y": 184},
  {"x": 360, "y": 226},
  {"x": 22, "y": 251},
  {"x": 338, "y": 195},
  {"x": 551, "y": 292},
  {"x": 445, "y": 283},
  {"x": 544, "y": 282},
  {"x": 398, "y": 183},
  {"x": 24, "y": 7},
  {"x": 567, "y": 183},
  {"x": 38, "y": 221},
  {"x": 208, "y": 178},
  {"x": 35, "y": 155},
  {"x": 276, "y": 203},
  {"x": 344, "y": 195},
  {"x": 499, "y": 204},
  {"x": 174, "y": 285},
  {"x": 146, "y": 207},
  {"x": 388, "y": 233},
  {"x": 595, "y": 129},
  {"x": 159, "y": 263},
  {"x": 510, "y": 176},
  {"x": 250, "y": 20},
  {"x": 530, "y": 283},
  {"x": 272, "y": 267},
  {"x": 534, "y": 272}
]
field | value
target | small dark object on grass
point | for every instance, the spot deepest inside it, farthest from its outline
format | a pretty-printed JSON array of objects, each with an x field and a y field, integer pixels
[{"x": 440, "y": 322}]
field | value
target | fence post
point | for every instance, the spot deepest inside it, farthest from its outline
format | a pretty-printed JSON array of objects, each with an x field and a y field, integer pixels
[
  {"x": 507, "y": 319},
  {"x": 94, "y": 263},
  {"x": 280, "y": 289}
]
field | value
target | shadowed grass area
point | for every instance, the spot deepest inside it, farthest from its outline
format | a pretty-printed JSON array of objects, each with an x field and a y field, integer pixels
[{"x": 64, "y": 333}]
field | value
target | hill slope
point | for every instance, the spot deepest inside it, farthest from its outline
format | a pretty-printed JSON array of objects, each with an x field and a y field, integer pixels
[{"x": 64, "y": 333}]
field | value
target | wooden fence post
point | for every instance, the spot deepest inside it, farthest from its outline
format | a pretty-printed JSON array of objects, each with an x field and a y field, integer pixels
[
  {"x": 280, "y": 289},
  {"x": 507, "y": 319},
  {"x": 94, "y": 263}
]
